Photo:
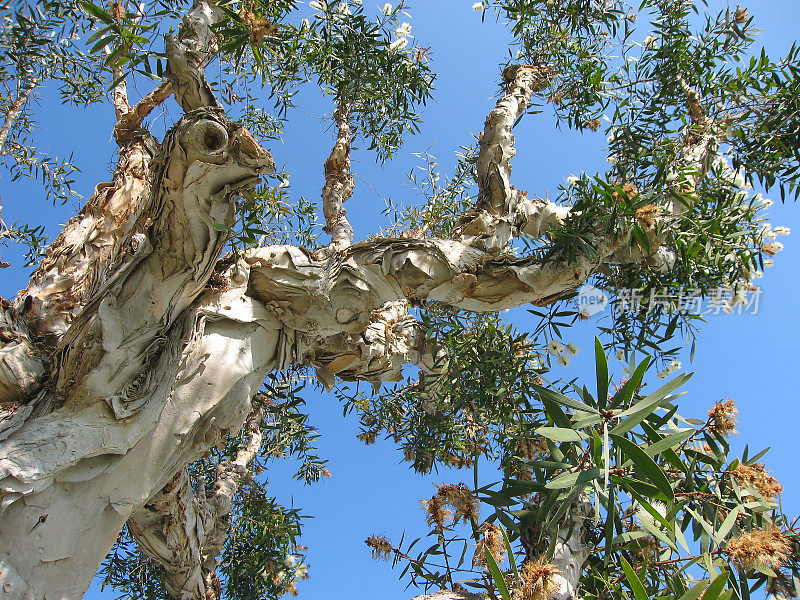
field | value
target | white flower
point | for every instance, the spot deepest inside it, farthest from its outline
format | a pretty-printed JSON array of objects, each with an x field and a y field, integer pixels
[
  {"x": 768, "y": 263},
  {"x": 620, "y": 355},
  {"x": 739, "y": 297},
  {"x": 727, "y": 308},
  {"x": 756, "y": 274},
  {"x": 344, "y": 9},
  {"x": 777, "y": 246},
  {"x": 675, "y": 365},
  {"x": 477, "y": 6},
  {"x": 555, "y": 347},
  {"x": 782, "y": 230},
  {"x": 563, "y": 360},
  {"x": 650, "y": 42},
  {"x": 403, "y": 30},
  {"x": 613, "y": 135},
  {"x": 572, "y": 348},
  {"x": 739, "y": 181},
  {"x": 289, "y": 560},
  {"x": 387, "y": 9},
  {"x": 767, "y": 233},
  {"x": 612, "y": 159},
  {"x": 316, "y": 5},
  {"x": 645, "y": 517},
  {"x": 572, "y": 180},
  {"x": 663, "y": 374},
  {"x": 306, "y": 24},
  {"x": 398, "y": 44}
]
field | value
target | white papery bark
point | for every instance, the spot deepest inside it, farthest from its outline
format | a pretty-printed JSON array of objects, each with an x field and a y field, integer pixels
[
  {"x": 503, "y": 211},
  {"x": 339, "y": 183}
]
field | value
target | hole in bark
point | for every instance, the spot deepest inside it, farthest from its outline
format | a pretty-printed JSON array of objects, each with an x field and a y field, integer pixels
[
  {"x": 212, "y": 140},
  {"x": 210, "y": 137}
]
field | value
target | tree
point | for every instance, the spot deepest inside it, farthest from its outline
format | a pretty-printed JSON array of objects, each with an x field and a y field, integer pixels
[{"x": 134, "y": 363}]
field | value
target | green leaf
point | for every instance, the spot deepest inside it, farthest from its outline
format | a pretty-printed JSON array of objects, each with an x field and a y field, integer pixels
[
  {"x": 727, "y": 525},
  {"x": 564, "y": 400},
  {"x": 561, "y": 434},
  {"x": 510, "y": 553},
  {"x": 497, "y": 575},
  {"x": 695, "y": 591},
  {"x": 580, "y": 478},
  {"x": 634, "y": 581},
  {"x": 716, "y": 587},
  {"x": 601, "y": 367},
  {"x": 646, "y": 465},
  {"x": 668, "y": 442}
]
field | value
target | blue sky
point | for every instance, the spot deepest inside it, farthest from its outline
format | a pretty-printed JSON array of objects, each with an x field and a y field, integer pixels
[{"x": 751, "y": 358}]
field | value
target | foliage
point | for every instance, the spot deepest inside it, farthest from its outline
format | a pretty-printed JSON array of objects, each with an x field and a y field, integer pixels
[{"x": 667, "y": 498}]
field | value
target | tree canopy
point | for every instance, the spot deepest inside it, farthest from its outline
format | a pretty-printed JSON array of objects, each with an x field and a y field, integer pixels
[{"x": 604, "y": 488}]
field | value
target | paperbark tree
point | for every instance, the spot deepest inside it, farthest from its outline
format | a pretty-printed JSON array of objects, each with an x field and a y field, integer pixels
[{"x": 139, "y": 345}]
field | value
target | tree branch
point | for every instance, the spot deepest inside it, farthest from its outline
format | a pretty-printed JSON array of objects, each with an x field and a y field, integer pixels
[
  {"x": 502, "y": 210},
  {"x": 339, "y": 183},
  {"x": 188, "y": 54},
  {"x": 131, "y": 120},
  {"x": 15, "y": 109}
]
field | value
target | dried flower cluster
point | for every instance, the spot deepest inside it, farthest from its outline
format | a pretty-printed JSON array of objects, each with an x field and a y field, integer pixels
[
  {"x": 459, "y": 497},
  {"x": 529, "y": 447},
  {"x": 766, "y": 547},
  {"x": 492, "y": 541},
  {"x": 260, "y": 27},
  {"x": 628, "y": 189},
  {"x": 380, "y": 546},
  {"x": 368, "y": 437},
  {"x": 647, "y": 214},
  {"x": 756, "y": 477},
  {"x": 593, "y": 124},
  {"x": 722, "y": 417},
  {"x": 537, "y": 580}
]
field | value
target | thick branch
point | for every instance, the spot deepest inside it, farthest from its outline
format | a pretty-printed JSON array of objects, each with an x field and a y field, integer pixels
[
  {"x": 502, "y": 210},
  {"x": 131, "y": 120},
  {"x": 82, "y": 471},
  {"x": 188, "y": 54},
  {"x": 326, "y": 297},
  {"x": 339, "y": 183}
]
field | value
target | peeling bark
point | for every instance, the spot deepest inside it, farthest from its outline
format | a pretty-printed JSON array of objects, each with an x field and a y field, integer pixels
[
  {"x": 339, "y": 183},
  {"x": 503, "y": 211},
  {"x": 83, "y": 471}
]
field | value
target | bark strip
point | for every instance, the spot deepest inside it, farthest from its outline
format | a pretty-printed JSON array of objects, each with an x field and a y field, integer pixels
[
  {"x": 502, "y": 210},
  {"x": 339, "y": 183}
]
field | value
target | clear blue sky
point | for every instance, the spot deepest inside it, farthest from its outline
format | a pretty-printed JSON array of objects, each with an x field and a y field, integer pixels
[{"x": 751, "y": 358}]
